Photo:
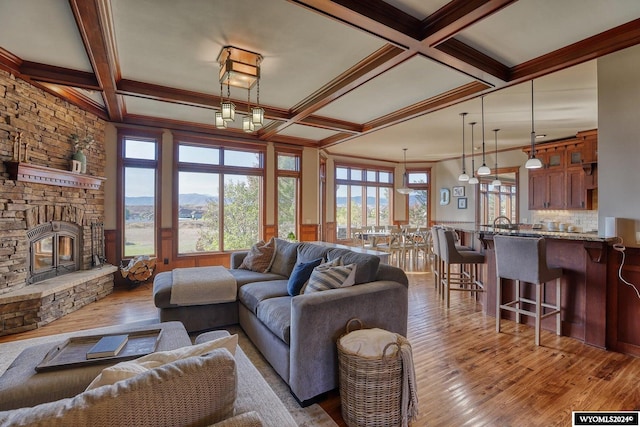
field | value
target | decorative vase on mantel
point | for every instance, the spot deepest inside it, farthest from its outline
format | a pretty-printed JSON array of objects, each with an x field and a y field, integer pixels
[{"x": 82, "y": 158}]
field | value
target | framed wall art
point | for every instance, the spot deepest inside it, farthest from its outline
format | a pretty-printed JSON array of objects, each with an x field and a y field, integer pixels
[
  {"x": 458, "y": 191},
  {"x": 462, "y": 203}
]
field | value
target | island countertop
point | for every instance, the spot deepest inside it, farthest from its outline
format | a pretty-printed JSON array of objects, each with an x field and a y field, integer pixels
[{"x": 526, "y": 230}]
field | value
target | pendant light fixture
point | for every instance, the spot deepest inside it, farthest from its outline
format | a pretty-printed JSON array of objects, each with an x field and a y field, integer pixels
[
  {"x": 473, "y": 179},
  {"x": 484, "y": 169},
  {"x": 463, "y": 176},
  {"x": 496, "y": 182},
  {"x": 405, "y": 178},
  {"x": 533, "y": 162}
]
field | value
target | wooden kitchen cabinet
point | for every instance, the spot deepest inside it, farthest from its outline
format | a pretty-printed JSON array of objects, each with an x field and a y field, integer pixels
[{"x": 568, "y": 174}]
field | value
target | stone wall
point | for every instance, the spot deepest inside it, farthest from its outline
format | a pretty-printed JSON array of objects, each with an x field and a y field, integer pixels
[{"x": 46, "y": 122}]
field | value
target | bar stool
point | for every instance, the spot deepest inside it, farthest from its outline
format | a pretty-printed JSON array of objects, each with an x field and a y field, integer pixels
[
  {"x": 450, "y": 255},
  {"x": 524, "y": 259}
]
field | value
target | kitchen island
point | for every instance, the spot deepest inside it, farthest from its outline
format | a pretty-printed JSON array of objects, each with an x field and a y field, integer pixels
[{"x": 584, "y": 258}]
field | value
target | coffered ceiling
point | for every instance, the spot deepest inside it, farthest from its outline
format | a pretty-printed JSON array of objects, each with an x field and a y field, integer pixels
[{"x": 361, "y": 78}]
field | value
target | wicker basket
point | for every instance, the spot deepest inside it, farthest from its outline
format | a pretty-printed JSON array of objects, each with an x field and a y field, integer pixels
[{"x": 371, "y": 387}]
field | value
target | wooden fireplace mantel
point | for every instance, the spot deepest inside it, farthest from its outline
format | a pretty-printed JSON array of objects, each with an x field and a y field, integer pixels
[{"x": 20, "y": 171}]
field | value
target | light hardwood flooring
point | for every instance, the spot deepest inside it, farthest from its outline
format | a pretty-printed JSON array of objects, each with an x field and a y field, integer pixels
[{"x": 468, "y": 375}]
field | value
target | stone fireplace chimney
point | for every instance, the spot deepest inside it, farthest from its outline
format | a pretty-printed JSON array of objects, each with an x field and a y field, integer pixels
[{"x": 38, "y": 191}]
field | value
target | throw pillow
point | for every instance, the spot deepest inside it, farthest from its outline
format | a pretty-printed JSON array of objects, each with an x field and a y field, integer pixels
[
  {"x": 131, "y": 368},
  {"x": 260, "y": 256},
  {"x": 322, "y": 279},
  {"x": 300, "y": 274}
]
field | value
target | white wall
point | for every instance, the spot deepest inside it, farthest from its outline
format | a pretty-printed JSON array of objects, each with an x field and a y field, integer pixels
[
  {"x": 619, "y": 138},
  {"x": 445, "y": 175}
]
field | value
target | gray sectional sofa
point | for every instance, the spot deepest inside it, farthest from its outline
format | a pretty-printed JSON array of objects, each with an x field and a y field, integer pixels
[{"x": 297, "y": 334}]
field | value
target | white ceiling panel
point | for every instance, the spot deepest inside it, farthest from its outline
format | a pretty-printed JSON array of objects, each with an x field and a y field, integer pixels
[
  {"x": 419, "y": 9},
  {"x": 531, "y": 28},
  {"x": 301, "y": 50},
  {"x": 29, "y": 19},
  {"x": 410, "y": 82},
  {"x": 307, "y": 132}
]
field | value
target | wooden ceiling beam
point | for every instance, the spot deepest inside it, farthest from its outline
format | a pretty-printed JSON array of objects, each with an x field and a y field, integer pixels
[
  {"x": 98, "y": 42},
  {"x": 445, "y": 25},
  {"x": 59, "y": 75},
  {"x": 455, "y": 16},
  {"x": 607, "y": 42}
]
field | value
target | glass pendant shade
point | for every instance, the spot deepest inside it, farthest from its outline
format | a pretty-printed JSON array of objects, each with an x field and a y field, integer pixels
[
  {"x": 463, "y": 177},
  {"x": 247, "y": 124},
  {"x": 496, "y": 182},
  {"x": 473, "y": 180},
  {"x": 533, "y": 163},
  {"x": 228, "y": 111},
  {"x": 484, "y": 170},
  {"x": 257, "y": 117},
  {"x": 220, "y": 123},
  {"x": 404, "y": 189}
]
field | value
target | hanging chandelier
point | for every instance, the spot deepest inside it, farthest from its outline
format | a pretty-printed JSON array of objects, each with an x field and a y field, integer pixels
[
  {"x": 533, "y": 162},
  {"x": 473, "y": 179},
  {"x": 496, "y": 182},
  {"x": 463, "y": 176},
  {"x": 484, "y": 169},
  {"x": 239, "y": 68},
  {"x": 405, "y": 178}
]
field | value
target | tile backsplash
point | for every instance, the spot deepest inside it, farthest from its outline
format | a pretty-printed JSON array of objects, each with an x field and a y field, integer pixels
[{"x": 583, "y": 220}]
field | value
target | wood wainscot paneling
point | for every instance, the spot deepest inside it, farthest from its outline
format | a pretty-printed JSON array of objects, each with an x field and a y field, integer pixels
[
  {"x": 331, "y": 232},
  {"x": 269, "y": 232},
  {"x": 623, "y": 303},
  {"x": 308, "y": 233}
]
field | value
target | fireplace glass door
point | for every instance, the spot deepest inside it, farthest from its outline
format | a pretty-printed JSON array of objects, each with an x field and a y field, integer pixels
[
  {"x": 53, "y": 254},
  {"x": 43, "y": 254}
]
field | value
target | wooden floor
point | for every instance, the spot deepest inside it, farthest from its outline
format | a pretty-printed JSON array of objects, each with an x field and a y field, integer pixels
[{"x": 468, "y": 375}]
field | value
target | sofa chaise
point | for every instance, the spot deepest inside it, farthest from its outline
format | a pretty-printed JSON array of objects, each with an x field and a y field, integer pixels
[{"x": 297, "y": 333}]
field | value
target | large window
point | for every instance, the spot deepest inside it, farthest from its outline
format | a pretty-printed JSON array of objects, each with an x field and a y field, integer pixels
[
  {"x": 288, "y": 182},
  {"x": 363, "y": 198},
  {"x": 498, "y": 201},
  {"x": 418, "y": 200},
  {"x": 140, "y": 164},
  {"x": 219, "y": 198}
]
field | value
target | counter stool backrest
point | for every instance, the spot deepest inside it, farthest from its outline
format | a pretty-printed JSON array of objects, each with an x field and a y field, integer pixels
[
  {"x": 448, "y": 250},
  {"x": 522, "y": 258}
]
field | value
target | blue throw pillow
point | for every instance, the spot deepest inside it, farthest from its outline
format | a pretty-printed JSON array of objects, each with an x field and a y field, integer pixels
[{"x": 300, "y": 274}]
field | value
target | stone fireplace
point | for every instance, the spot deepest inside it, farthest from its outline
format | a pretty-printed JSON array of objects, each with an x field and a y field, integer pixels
[{"x": 48, "y": 214}]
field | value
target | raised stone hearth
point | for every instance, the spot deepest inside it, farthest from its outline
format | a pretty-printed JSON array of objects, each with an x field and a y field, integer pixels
[{"x": 36, "y": 305}]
